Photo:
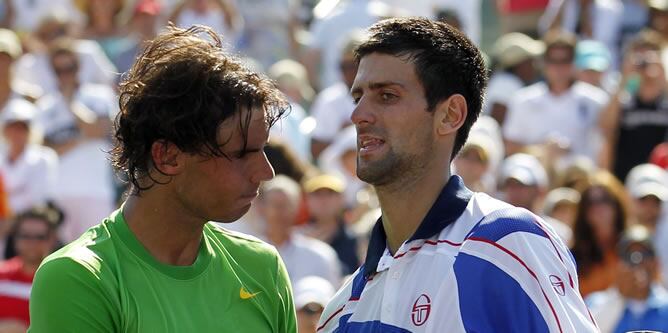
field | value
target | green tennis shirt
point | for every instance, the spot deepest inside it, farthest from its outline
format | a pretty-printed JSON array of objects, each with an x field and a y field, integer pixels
[{"x": 106, "y": 281}]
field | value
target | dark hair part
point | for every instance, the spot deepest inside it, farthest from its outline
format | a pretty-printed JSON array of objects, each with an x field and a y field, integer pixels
[
  {"x": 586, "y": 250},
  {"x": 446, "y": 62},
  {"x": 180, "y": 90}
]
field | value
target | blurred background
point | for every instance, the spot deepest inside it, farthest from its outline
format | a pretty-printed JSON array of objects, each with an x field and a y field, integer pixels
[{"x": 574, "y": 128}]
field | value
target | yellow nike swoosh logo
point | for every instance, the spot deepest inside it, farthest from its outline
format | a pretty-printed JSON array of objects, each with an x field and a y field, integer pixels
[{"x": 245, "y": 294}]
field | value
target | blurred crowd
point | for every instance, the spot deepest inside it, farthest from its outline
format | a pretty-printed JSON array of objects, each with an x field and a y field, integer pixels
[{"x": 574, "y": 129}]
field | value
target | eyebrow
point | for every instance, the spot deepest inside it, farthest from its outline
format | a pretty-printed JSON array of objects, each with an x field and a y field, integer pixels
[{"x": 378, "y": 85}]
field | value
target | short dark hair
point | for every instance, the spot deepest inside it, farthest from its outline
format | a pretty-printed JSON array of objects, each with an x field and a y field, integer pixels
[
  {"x": 446, "y": 62},
  {"x": 180, "y": 89}
]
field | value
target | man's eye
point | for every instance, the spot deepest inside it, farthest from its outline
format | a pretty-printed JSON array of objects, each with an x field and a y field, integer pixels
[{"x": 386, "y": 97}]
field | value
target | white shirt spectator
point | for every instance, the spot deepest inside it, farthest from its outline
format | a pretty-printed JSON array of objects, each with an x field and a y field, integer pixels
[
  {"x": 329, "y": 34},
  {"x": 305, "y": 256},
  {"x": 332, "y": 109},
  {"x": 85, "y": 181},
  {"x": 536, "y": 116},
  {"x": 606, "y": 19},
  {"x": 94, "y": 67},
  {"x": 501, "y": 88},
  {"x": 30, "y": 179}
]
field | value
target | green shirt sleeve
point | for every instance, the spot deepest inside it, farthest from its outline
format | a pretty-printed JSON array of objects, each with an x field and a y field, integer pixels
[
  {"x": 66, "y": 296},
  {"x": 287, "y": 316}
]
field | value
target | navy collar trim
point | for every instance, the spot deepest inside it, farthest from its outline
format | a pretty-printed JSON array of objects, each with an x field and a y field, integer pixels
[{"x": 449, "y": 206}]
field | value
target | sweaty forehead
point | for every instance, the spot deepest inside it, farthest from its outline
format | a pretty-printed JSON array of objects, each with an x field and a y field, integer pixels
[{"x": 257, "y": 128}]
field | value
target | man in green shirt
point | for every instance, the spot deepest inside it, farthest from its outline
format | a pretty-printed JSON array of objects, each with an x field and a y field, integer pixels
[{"x": 190, "y": 138}]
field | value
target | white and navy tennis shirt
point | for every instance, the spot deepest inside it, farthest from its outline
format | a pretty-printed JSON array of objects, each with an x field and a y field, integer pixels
[{"x": 475, "y": 264}]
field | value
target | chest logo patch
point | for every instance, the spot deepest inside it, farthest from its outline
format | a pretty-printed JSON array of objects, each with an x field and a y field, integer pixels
[{"x": 421, "y": 310}]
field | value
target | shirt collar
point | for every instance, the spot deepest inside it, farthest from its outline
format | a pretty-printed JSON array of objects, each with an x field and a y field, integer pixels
[{"x": 449, "y": 205}]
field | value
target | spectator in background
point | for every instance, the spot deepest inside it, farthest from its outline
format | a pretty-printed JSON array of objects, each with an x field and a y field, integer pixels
[
  {"x": 636, "y": 302},
  {"x": 30, "y": 170},
  {"x": 560, "y": 110},
  {"x": 143, "y": 26},
  {"x": 600, "y": 20},
  {"x": 340, "y": 158},
  {"x": 648, "y": 186},
  {"x": 562, "y": 204},
  {"x": 34, "y": 234},
  {"x": 290, "y": 77},
  {"x": 303, "y": 256},
  {"x": 35, "y": 67},
  {"x": 514, "y": 55},
  {"x": 658, "y": 17},
  {"x": 592, "y": 62},
  {"x": 333, "y": 106},
  {"x": 312, "y": 294},
  {"x": 636, "y": 119},
  {"x": 523, "y": 183},
  {"x": 601, "y": 218},
  {"x": 103, "y": 23},
  {"x": 221, "y": 15},
  {"x": 326, "y": 205},
  {"x": 473, "y": 162},
  {"x": 10, "y": 87},
  {"x": 77, "y": 123}
]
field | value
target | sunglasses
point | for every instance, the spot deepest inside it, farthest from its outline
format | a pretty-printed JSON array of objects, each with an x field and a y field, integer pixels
[
  {"x": 35, "y": 237},
  {"x": 558, "y": 61},
  {"x": 65, "y": 69}
]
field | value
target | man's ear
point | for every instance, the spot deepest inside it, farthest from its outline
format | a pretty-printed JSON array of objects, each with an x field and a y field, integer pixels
[
  {"x": 450, "y": 115},
  {"x": 166, "y": 157}
]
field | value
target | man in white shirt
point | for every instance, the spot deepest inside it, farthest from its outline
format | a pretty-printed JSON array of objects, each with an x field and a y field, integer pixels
[
  {"x": 76, "y": 121},
  {"x": 560, "y": 110},
  {"x": 29, "y": 170}
]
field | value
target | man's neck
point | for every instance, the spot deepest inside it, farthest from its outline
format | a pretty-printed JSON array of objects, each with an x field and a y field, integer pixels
[
  {"x": 405, "y": 207},
  {"x": 557, "y": 89},
  {"x": 165, "y": 229}
]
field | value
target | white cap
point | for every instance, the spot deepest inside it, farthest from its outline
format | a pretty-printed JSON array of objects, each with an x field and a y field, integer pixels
[
  {"x": 648, "y": 179},
  {"x": 312, "y": 289},
  {"x": 524, "y": 168},
  {"x": 17, "y": 110}
]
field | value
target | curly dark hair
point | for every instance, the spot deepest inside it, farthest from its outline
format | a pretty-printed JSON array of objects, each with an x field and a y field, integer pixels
[
  {"x": 446, "y": 62},
  {"x": 180, "y": 89}
]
